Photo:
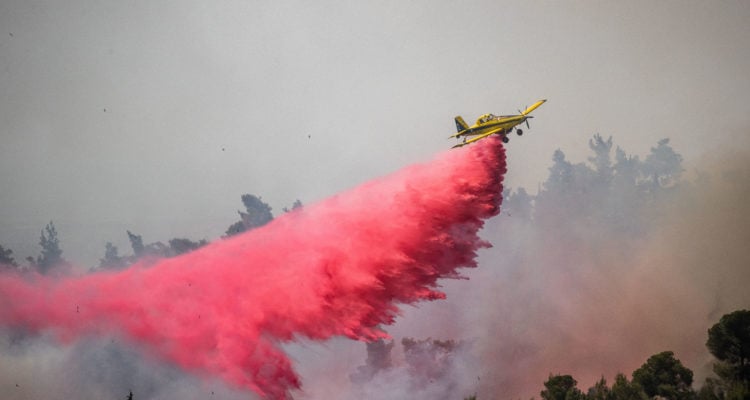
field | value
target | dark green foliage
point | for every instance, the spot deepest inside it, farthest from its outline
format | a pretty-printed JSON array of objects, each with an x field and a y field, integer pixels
[
  {"x": 6, "y": 258},
  {"x": 626, "y": 196},
  {"x": 182, "y": 245},
  {"x": 737, "y": 391},
  {"x": 560, "y": 173},
  {"x": 663, "y": 167},
  {"x": 257, "y": 213},
  {"x": 729, "y": 342},
  {"x": 599, "y": 391},
  {"x": 151, "y": 250},
  {"x": 176, "y": 247},
  {"x": 111, "y": 259},
  {"x": 602, "y": 193},
  {"x": 235, "y": 228},
  {"x": 295, "y": 206},
  {"x": 136, "y": 242},
  {"x": 561, "y": 387},
  {"x": 717, "y": 389},
  {"x": 711, "y": 390},
  {"x": 624, "y": 390},
  {"x": 626, "y": 168},
  {"x": 51, "y": 255},
  {"x": 378, "y": 359},
  {"x": 601, "y": 159},
  {"x": 664, "y": 375}
]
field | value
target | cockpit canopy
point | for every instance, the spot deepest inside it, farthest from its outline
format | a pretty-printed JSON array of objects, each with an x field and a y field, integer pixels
[{"x": 485, "y": 118}]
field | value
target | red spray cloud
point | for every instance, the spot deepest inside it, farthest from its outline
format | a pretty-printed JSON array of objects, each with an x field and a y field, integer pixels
[{"x": 338, "y": 267}]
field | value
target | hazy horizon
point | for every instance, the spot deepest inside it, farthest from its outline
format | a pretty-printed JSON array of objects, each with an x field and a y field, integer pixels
[{"x": 157, "y": 117}]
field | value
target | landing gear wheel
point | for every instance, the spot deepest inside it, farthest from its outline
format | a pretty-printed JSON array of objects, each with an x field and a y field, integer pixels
[
  {"x": 519, "y": 132},
  {"x": 506, "y": 139}
]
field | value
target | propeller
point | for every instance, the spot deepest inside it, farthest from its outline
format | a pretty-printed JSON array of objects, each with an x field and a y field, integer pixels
[{"x": 525, "y": 119}]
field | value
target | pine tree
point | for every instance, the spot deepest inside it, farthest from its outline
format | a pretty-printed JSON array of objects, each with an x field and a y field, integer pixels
[
  {"x": 6, "y": 258},
  {"x": 51, "y": 255},
  {"x": 257, "y": 214}
]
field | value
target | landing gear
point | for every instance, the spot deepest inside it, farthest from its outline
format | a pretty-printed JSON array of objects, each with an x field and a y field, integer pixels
[
  {"x": 506, "y": 139},
  {"x": 519, "y": 132}
]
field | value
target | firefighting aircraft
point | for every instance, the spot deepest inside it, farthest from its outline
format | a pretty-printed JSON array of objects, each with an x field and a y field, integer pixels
[{"x": 489, "y": 124}]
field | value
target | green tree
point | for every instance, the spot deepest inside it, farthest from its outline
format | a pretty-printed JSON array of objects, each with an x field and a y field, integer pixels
[
  {"x": 729, "y": 342},
  {"x": 111, "y": 258},
  {"x": 711, "y": 390},
  {"x": 151, "y": 250},
  {"x": 257, "y": 214},
  {"x": 560, "y": 173},
  {"x": 295, "y": 206},
  {"x": 599, "y": 391},
  {"x": 664, "y": 375},
  {"x": 136, "y": 242},
  {"x": 182, "y": 245},
  {"x": 566, "y": 194},
  {"x": 561, "y": 387},
  {"x": 6, "y": 258},
  {"x": 626, "y": 196},
  {"x": 624, "y": 390},
  {"x": 737, "y": 391},
  {"x": 378, "y": 359},
  {"x": 626, "y": 170},
  {"x": 51, "y": 255},
  {"x": 601, "y": 159},
  {"x": 663, "y": 167}
]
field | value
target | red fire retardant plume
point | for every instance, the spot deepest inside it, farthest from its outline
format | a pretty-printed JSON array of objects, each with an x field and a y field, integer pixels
[{"x": 338, "y": 267}]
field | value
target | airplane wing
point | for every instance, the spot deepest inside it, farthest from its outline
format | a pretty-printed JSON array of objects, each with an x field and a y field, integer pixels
[
  {"x": 474, "y": 139},
  {"x": 461, "y": 133},
  {"x": 533, "y": 107}
]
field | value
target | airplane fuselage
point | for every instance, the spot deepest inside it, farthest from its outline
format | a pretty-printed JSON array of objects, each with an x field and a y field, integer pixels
[
  {"x": 489, "y": 124},
  {"x": 501, "y": 125}
]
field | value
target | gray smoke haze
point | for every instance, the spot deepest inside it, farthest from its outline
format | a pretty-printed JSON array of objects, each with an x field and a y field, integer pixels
[
  {"x": 155, "y": 117},
  {"x": 94, "y": 368},
  {"x": 588, "y": 293},
  {"x": 579, "y": 288},
  {"x": 114, "y": 114},
  {"x": 566, "y": 293}
]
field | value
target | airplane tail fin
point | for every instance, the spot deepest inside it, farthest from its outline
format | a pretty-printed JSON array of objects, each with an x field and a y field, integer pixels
[
  {"x": 533, "y": 107},
  {"x": 461, "y": 124}
]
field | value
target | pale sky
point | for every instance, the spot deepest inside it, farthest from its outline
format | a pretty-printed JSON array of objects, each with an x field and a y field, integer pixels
[{"x": 156, "y": 116}]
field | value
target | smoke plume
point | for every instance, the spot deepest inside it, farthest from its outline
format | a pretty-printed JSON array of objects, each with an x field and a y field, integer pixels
[
  {"x": 602, "y": 283},
  {"x": 338, "y": 267}
]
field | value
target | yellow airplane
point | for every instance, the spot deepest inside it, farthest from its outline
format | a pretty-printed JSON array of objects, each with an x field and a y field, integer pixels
[{"x": 489, "y": 124}]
